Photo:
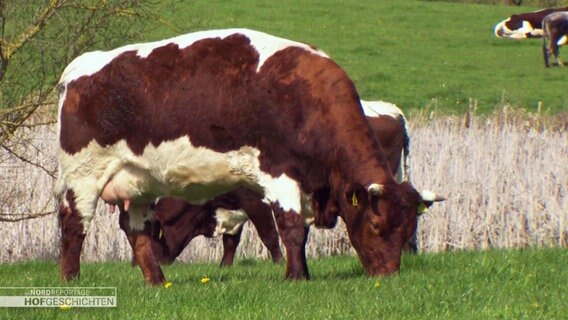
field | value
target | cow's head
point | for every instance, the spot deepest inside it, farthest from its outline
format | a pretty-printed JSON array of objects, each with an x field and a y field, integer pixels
[{"x": 380, "y": 219}]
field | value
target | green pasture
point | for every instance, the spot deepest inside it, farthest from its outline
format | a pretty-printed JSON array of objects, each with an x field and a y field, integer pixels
[
  {"x": 500, "y": 284},
  {"x": 417, "y": 54}
]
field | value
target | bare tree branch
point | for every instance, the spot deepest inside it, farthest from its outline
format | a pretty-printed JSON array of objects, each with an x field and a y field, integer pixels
[
  {"x": 27, "y": 216},
  {"x": 37, "y": 40},
  {"x": 32, "y": 31},
  {"x": 51, "y": 173}
]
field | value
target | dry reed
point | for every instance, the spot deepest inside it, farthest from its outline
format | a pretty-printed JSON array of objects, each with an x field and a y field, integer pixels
[{"x": 505, "y": 177}]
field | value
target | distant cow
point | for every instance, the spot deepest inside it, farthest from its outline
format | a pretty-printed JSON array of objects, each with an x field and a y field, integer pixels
[
  {"x": 555, "y": 34},
  {"x": 176, "y": 222},
  {"x": 199, "y": 115},
  {"x": 524, "y": 25}
]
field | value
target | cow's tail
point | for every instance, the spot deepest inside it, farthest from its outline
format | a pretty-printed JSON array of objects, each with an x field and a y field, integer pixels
[
  {"x": 545, "y": 42},
  {"x": 404, "y": 167}
]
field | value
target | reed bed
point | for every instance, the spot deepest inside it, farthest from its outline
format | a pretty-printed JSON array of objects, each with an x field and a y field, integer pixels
[{"x": 505, "y": 177}]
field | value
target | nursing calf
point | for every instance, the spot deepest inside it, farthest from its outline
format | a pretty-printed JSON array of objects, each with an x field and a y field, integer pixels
[
  {"x": 176, "y": 222},
  {"x": 202, "y": 114}
]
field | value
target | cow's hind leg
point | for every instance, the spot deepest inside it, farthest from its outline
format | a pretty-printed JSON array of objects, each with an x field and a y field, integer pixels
[
  {"x": 294, "y": 235},
  {"x": 73, "y": 223},
  {"x": 140, "y": 229}
]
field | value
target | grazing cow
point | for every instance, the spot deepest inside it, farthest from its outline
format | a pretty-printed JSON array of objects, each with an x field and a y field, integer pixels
[
  {"x": 524, "y": 25},
  {"x": 176, "y": 222},
  {"x": 555, "y": 34},
  {"x": 199, "y": 115}
]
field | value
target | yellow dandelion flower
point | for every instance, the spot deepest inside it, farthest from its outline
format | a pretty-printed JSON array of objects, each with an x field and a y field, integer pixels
[
  {"x": 64, "y": 306},
  {"x": 205, "y": 279},
  {"x": 377, "y": 284},
  {"x": 168, "y": 285}
]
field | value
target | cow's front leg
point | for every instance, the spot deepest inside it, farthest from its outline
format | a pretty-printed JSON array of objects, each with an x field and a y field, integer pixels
[
  {"x": 72, "y": 237},
  {"x": 140, "y": 227},
  {"x": 294, "y": 235}
]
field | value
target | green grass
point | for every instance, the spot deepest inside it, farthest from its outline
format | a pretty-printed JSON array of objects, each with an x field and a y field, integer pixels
[
  {"x": 418, "y": 54},
  {"x": 499, "y": 284}
]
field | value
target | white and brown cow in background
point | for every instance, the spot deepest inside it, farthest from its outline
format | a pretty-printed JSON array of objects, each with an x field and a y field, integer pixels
[
  {"x": 555, "y": 34},
  {"x": 524, "y": 25},
  {"x": 202, "y": 114},
  {"x": 177, "y": 222}
]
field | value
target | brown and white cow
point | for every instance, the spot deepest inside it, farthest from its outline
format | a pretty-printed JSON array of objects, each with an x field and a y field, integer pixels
[
  {"x": 177, "y": 222},
  {"x": 201, "y": 114},
  {"x": 555, "y": 34},
  {"x": 524, "y": 25}
]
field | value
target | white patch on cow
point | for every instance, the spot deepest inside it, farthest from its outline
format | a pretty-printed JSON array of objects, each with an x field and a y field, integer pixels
[
  {"x": 562, "y": 41},
  {"x": 537, "y": 33},
  {"x": 285, "y": 191},
  {"x": 91, "y": 62},
  {"x": 381, "y": 108},
  {"x": 173, "y": 168},
  {"x": 501, "y": 30},
  {"x": 229, "y": 221}
]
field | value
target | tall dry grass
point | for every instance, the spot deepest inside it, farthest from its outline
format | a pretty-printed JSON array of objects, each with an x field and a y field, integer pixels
[{"x": 505, "y": 177}]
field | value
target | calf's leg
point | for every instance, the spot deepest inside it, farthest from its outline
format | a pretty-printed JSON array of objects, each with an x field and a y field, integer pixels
[
  {"x": 140, "y": 230},
  {"x": 230, "y": 243}
]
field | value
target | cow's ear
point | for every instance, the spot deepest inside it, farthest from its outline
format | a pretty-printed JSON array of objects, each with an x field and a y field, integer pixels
[{"x": 357, "y": 196}]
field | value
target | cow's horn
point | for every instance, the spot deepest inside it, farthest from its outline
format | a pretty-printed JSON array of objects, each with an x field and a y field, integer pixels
[
  {"x": 430, "y": 196},
  {"x": 376, "y": 189}
]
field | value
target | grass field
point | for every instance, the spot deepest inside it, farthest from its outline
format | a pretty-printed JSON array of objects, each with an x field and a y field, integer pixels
[
  {"x": 526, "y": 284},
  {"x": 417, "y": 54},
  {"x": 425, "y": 55}
]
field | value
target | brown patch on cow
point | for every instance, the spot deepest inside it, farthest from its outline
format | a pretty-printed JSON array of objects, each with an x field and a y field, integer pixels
[
  {"x": 71, "y": 104},
  {"x": 391, "y": 134},
  {"x": 72, "y": 237},
  {"x": 534, "y": 18},
  {"x": 142, "y": 96}
]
